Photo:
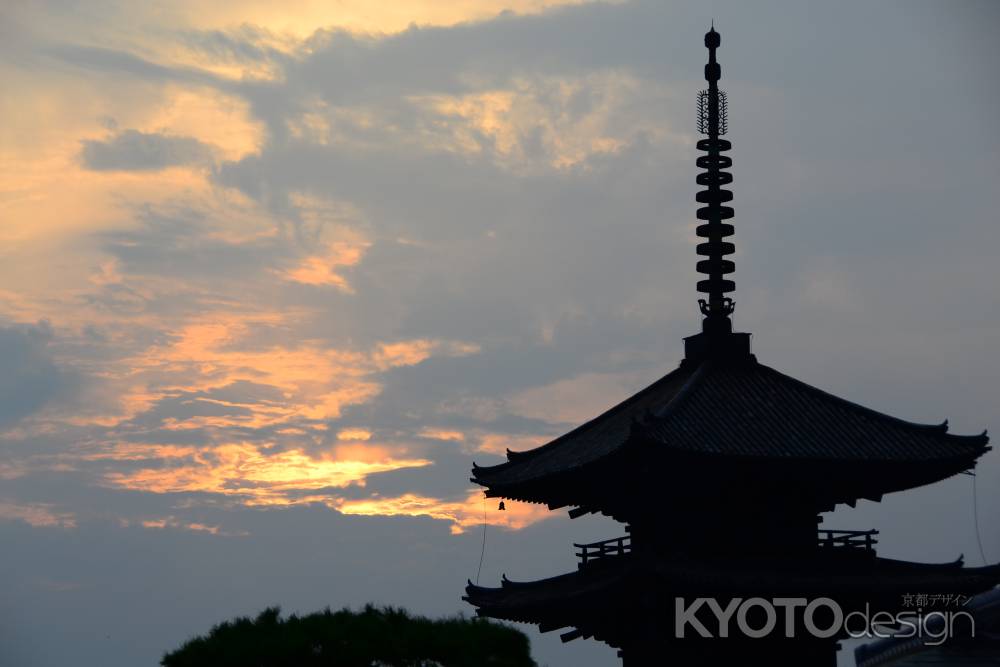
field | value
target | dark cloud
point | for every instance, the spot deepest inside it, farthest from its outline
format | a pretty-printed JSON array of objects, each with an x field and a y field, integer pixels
[
  {"x": 245, "y": 44},
  {"x": 177, "y": 240},
  {"x": 132, "y": 150},
  {"x": 29, "y": 377},
  {"x": 115, "y": 61}
]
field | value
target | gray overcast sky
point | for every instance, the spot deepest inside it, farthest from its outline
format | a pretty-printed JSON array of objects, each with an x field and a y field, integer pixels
[{"x": 275, "y": 273}]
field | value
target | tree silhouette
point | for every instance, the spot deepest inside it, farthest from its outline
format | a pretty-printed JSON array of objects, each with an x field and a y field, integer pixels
[{"x": 372, "y": 637}]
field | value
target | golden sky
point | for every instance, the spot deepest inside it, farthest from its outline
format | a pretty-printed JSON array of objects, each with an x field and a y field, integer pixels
[{"x": 106, "y": 154}]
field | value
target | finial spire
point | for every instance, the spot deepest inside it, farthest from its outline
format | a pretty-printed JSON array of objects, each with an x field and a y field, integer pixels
[{"x": 713, "y": 121}]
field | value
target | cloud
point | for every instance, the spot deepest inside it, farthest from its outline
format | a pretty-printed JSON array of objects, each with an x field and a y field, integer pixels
[
  {"x": 354, "y": 434},
  {"x": 446, "y": 435},
  {"x": 132, "y": 150},
  {"x": 122, "y": 62},
  {"x": 318, "y": 270},
  {"x": 29, "y": 377},
  {"x": 173, "y": 523},
  {"x": 500, "y": 443},
  {"x": 36, "y": 514},
  {"x": 574, "y": 400},
  {"x": 463, "y": 514},
  {"x": 249, "y": 473}
]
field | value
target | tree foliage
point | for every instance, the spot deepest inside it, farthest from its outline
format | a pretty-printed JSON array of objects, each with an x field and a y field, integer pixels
[{"x": 372, "y": 637}]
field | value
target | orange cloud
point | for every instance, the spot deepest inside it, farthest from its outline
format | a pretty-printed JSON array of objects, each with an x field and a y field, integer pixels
[
  {"x": 128, "y": 451},
  {"x": 442, "y": 434},
  {"x": 13, "y": 470},
  {"x": 539, "y": 107},
  {"x": 257, "y": 477},
  {"x": 499, "y": 443},
  {"x": 217, "y": 351},
  {"x": 175, "y": 523},
  {"x": 354, "y": 434},
  {"x": 573, "y": 400},
  {"x": 37, "y": 514},
  {"x": 253, "y": 476},
  {"x": 412, "y": 352},
  {"x": 320, "y": 269},
  {"x": 293, "y": 385},
  {"x": 301, "y": 18},
  {"x": 365, "y": 452},
  {"x": 464, "y": 514}
]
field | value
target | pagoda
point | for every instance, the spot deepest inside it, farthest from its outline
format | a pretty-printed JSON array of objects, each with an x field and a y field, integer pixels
[{"x": 720, "y": 471}]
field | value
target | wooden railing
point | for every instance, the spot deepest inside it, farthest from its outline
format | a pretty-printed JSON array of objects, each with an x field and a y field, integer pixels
[
  {"x": 862, "y": 540},
  {"x": 617, "y": 546},
  {"x": 859, "y": 540}
]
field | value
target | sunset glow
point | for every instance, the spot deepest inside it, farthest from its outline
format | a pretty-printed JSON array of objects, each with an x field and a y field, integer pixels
[
  {"x": 243, "y": 470},
  {"x": 465, "y": 514}
]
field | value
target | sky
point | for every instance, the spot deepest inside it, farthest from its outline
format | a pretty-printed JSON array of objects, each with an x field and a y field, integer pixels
[{"x": 274, "y": 274}]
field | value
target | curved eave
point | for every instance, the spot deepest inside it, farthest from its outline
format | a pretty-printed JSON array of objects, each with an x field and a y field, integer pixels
[
  {"x": 567, "y": 596},
  {"x": 690, "y": 423},
  {"x": 555, "y": 602},
  {"x": 598, "y": 487},
  {"x": 566, "y": 447},
  {"x": 967, "y": 449}
]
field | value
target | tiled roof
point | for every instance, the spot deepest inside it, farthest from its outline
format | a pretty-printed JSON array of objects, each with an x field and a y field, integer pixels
[
  {"x": 744, "y": 410},
  {"x": 589, "y": 442},
  {"x": 753, "y": 410}
]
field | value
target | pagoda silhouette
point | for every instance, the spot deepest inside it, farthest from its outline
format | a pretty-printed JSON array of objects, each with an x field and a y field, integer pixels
[{"x": 720, "y": 471}]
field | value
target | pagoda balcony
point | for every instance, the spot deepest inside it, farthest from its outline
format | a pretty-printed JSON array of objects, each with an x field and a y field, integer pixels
[
  {"x": 600, "y": 551},
  {"x": 855, "y": 540}
]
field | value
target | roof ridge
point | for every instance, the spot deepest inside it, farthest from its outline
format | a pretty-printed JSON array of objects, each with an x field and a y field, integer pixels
[{"x": 689, "y": 385}]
